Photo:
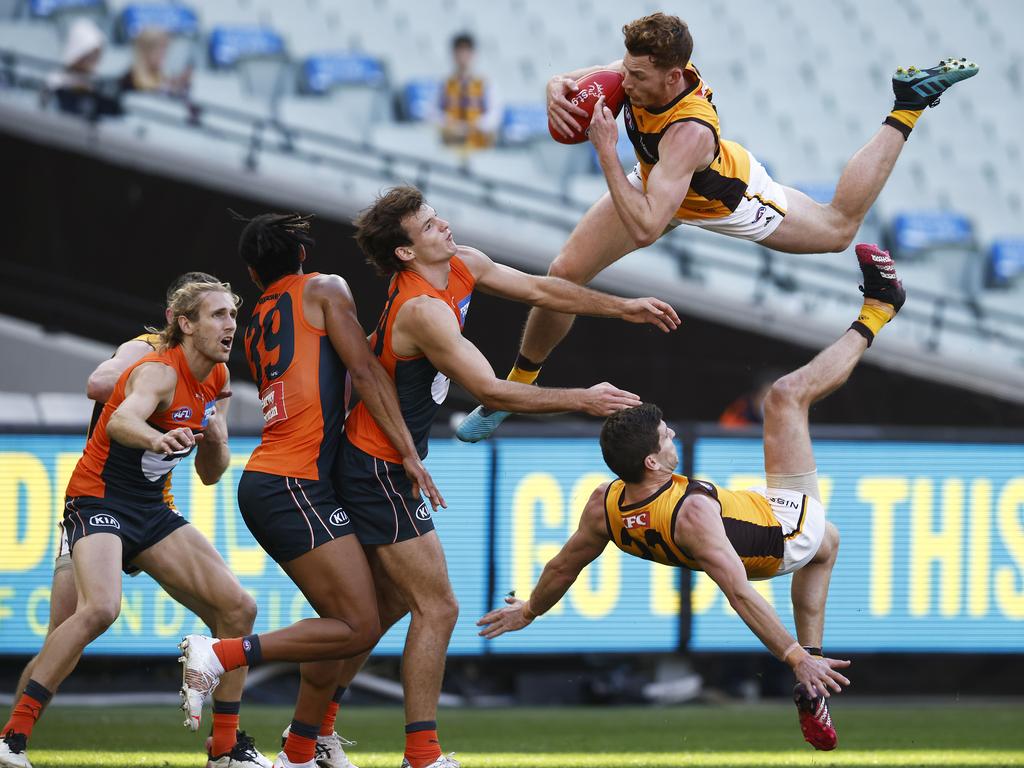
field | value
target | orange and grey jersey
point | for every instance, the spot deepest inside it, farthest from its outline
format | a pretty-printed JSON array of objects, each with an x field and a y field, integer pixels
[
  {"x": 108, "y": 469},
  {"x": 645, "y": 528},
  {"x": 421, "y": 387},
  {"x": 301, "y": 380},
  {"x": 153, "y": 339},
  {"x": 714, "y": 192}
]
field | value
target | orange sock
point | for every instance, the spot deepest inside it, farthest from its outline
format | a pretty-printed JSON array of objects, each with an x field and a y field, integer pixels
[
  {"x": 225, "y": 726},
  {"x": 300, "y": 746},
  {"x": 231, "y": 653},
  {"x": 327, "y": 726},
  {"x": 28, "y": 709},
  {"x": 421, "y": 743}
]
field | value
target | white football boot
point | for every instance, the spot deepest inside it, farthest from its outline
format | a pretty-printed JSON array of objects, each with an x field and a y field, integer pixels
[
  {"x": 242, "y": 755},
  {"x": 12, "y": 751},
  {"x": 200, "y": 673},
  {"x": 282, "y": 761},
  {"x": 330, "y": 750},
  {"x": 444, "y": 761}
]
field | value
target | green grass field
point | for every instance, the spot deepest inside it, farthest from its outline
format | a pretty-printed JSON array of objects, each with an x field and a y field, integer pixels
[{"x": 967, "y": 734}]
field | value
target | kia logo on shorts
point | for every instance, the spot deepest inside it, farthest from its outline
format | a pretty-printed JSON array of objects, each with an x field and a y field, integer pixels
[
  {"x": 339, "y": 518},
  {"x": 104, "y": 521},
  {"x": 182, "y": 414},
  {"x": 422, "y": 513}
]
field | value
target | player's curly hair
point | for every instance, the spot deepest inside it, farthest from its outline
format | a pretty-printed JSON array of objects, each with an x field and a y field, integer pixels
[
  {"x": 186, "y": 302},
  {"x": 271, "y": 243},
  {"x": 628, "y": 437},
  {"x": 379, "y": 229},
  {"x": 666, "y": 39}
]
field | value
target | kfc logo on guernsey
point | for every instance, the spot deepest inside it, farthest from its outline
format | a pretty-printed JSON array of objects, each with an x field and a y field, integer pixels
[
  {"x": 104, "y": 521},
  {"x": 640, "y": 520},
  {"x": 182, "y": 414}
]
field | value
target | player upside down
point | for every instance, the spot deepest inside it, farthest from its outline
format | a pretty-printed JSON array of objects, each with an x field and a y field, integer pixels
[{"x": 733, "y": 536}]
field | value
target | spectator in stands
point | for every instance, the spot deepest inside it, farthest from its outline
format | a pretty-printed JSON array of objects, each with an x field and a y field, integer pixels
[
  {"x": 76, "y": 88},
  {"x": 468, "y": 109},
  {"x": 748, "y": 409},
  {"x": 147, "y": 71}
]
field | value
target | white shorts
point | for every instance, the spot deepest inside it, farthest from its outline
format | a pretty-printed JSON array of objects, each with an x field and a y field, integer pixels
[
  {"x": 803, "y": 525},
  {"x": 758, "y": 215}
]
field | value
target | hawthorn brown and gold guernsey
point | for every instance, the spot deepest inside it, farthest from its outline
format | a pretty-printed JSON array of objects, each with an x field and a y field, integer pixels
[
  {"x": 644, "y": 529},
  {"x": 714, "y": 192}
]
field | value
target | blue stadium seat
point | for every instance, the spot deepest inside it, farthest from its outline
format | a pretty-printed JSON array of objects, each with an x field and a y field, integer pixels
[
  {"x": 920, "y": 231},
  {"x": 521, "y": 124},
  {"x": 323, "y": 72},
  {"x": 420, "y": 100},
  {"x": 43, "y": 9},
  {"x": 231, "y": 45},
  {"x": 174, "y": 19},
  {"x": 1005, "y": 262}
]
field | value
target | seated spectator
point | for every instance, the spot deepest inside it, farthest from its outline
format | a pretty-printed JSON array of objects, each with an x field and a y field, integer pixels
[
  {"x": 748, "y": 409},
  {"x": 75, "y": 87},
  {"x": 468, "y": 109},
  {"x": 147, "y": 72}
]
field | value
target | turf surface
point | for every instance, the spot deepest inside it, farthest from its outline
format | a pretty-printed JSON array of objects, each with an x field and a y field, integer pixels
[{"x": 965, "y": 734}]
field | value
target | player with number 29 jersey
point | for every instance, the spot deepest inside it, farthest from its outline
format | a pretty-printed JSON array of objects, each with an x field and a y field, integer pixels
[{"x": 285, "y": 494}]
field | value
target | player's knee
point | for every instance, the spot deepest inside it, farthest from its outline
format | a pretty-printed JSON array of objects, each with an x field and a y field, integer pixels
[
  {"x": 841, "y": 232},
  {"x": 238, "y": 616},
  {"x": 98, "y": 617},
  {"x": 565, "y": 269},
  {"x": 831, "y": 542},
  {"x": 787, "y": 393}
]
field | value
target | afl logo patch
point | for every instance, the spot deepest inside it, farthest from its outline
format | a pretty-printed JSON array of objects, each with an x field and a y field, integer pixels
[
  {"x": 339, "y": 518},
  {"x": 104, "y": 521},
  {"x": 422, "y": 513},
  {"x": 182, "y": 414}
]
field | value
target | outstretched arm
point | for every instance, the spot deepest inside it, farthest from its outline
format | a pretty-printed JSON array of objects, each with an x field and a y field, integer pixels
[
  {"x": 561, "y": 572},
  {"x": 101, "y": 381},
  {"x": 684, "y": 148},
  {"x": 376, "y": 388},
  {"x": 563, "y": 296},
  {"x": 700, "y": 525},
  {"x": 432, "y": 328}
]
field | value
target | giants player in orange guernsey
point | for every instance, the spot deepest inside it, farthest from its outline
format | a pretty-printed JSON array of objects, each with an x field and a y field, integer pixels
[
  {"x": 687, "y": 173},
  {"x": 733, "y": 536},
  {"x": 419, "y": 341},
  {"x": 229, "y": 747},
  {"x": 116, "y": 516},
  {"x": 303, "y": 336}
]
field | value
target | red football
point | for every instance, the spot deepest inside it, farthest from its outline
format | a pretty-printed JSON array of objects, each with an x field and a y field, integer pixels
[{"x": 604, "y": 82}]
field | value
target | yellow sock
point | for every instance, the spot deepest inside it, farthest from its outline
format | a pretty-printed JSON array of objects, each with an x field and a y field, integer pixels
[
  {"x": 873, "y": 317},
  {"x": 523, "y": 377},
  {"x": 903, "y": 120}
]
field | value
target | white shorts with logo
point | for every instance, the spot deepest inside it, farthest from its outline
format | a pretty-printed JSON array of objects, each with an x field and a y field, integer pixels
[
  {"x": 758, "y": 215},
  {"x": 803, "y": 525}
]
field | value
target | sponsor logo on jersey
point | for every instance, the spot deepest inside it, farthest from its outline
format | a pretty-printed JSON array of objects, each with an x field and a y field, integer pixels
[
  {"x": 422, "y": 513},
  {"x": 104, "y": 521},
  {"x": 338, "y": 517},
  {"x": 272, "y": 402},
  {"x": 464, "y": 309},
  {"x": 209, "y": 410},
  {"x": 182, "y": 414},
  {"x": 639, "y": 520}
]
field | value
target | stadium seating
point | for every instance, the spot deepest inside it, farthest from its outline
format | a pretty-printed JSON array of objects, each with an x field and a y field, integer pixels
[{"x": 300, "y": 74}]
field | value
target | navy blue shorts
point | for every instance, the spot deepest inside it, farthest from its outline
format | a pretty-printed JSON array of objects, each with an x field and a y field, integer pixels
[
  {"x": 289, "y": 516},
  {"x": 378, "y": 497},
  {"x": 138, "y": 525}
]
